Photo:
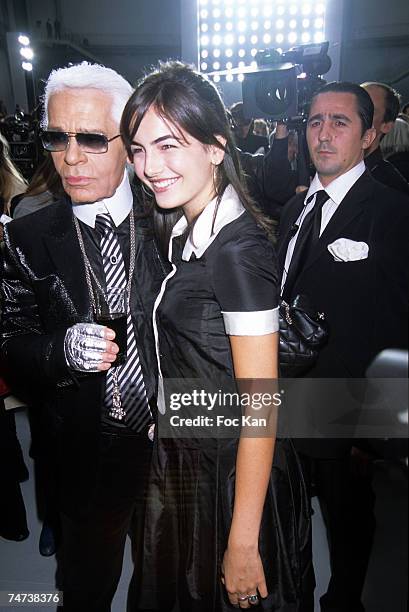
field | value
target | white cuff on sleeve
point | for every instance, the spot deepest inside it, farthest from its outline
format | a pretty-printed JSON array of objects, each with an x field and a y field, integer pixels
[{"x": 256, "y": 323}]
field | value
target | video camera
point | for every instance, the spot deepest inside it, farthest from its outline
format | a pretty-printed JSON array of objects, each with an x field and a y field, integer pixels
[{"x": 284, "y": 82}]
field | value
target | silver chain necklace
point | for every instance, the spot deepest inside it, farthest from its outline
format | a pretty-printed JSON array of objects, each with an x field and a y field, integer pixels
[{"x": 116, "y": 412}]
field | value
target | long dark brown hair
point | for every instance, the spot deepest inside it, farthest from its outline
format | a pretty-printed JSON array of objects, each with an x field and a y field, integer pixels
[{"x": 190, "y": 102}]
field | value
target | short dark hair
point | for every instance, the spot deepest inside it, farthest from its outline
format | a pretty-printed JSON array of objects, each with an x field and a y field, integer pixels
[
  {"x": 392, "y": 100},
  {"x": 364, "y": 103}
]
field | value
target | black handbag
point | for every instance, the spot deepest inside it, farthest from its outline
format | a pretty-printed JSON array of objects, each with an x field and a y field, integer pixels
[{"x": 303, "y": 332}]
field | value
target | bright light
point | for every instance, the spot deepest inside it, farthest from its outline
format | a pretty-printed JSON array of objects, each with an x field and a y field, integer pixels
[
  {"x": 216, "y": 65},
  {"x": 23, "y": 40},
  {"x": 27, "y": 66},
  {"x": 240, "y": 77},
  {"x": 27, "y": 53},
  {"x": 216, "y": 78},
  {"x": 229, "y": 78},
  {"x": 229, "y": 65},
  {"x": 235, "y": 30},
  {"x": 253, "y": 65}
]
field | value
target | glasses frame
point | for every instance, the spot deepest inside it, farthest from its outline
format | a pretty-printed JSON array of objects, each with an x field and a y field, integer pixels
[{"x": 74, "y": 135}]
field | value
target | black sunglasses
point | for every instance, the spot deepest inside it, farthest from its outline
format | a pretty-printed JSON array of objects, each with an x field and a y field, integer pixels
[{"x": 56, "y": 141}]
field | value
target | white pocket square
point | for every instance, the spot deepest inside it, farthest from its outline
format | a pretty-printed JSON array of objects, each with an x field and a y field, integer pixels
[{"x": 344, "y": 249}]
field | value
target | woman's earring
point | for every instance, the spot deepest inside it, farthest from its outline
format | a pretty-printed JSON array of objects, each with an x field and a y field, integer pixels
[{"x": 147, "y": 191}]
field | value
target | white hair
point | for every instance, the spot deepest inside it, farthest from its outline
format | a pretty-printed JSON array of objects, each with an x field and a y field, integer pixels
[
  {"x": 88, "y": 76},
  {"x": 397, "y": 140}
]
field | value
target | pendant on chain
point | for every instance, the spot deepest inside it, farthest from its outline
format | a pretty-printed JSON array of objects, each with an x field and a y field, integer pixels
[{"x": 116, "y": 412}]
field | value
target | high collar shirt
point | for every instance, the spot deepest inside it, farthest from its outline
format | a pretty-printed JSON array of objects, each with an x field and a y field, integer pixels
[{"x": 118, "y": 205}]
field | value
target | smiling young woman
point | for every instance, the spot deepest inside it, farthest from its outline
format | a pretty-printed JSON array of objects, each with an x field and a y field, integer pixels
[{"x": 227, "y": 522}]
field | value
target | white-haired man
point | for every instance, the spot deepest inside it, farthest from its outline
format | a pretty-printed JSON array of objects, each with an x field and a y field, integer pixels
[{"x": 57, "y": 264}]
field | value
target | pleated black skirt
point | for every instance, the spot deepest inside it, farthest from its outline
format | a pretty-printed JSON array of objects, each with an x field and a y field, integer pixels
[{"x": 188, "y": 517}]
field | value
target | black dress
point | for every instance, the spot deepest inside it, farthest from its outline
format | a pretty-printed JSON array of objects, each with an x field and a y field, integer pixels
[{"x": 219, "y": 285}]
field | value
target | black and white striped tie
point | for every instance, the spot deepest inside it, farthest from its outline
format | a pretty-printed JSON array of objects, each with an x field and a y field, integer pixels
[{"x": 130, "y": 377}]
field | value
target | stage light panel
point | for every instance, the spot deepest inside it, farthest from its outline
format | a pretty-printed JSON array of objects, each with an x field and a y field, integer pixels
[{"x": 238, "y": 29}]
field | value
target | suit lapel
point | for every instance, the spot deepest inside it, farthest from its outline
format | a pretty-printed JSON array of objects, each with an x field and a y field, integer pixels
[
  {"x": 62, "y": 245},
  {"x": 290, "y": 214},
  {"x": 351, "y": 206}
]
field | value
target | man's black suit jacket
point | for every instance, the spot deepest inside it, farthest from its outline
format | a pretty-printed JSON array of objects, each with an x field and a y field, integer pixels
[
  {"x": 366, "y": 301},
  {"x": 44, "y": 292}
]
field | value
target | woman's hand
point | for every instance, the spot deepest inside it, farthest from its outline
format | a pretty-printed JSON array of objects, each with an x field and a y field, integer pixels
[{"x": 243, "y": 574}]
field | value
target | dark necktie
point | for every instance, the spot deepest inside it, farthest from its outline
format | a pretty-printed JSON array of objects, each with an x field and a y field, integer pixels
[
  {"x": 130, "y": 377},
  {"x": 307, "y": 238}
]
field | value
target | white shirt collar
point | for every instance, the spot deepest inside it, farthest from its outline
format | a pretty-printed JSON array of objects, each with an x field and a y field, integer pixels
[
  {"x": 202, "y": 236},
  {"x": 118, "y": 206},
  {"x": 340, "y": 186}
]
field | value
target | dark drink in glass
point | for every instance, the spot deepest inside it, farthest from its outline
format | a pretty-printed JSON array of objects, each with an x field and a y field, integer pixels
[{"x": 116, "y": 322}]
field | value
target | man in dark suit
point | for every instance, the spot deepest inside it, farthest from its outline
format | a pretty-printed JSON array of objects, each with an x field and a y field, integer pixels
[
  {"x": 351, "y": 261},
  {"x": 57, "y": 263},
  {"x": 386, "y": 103}
]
